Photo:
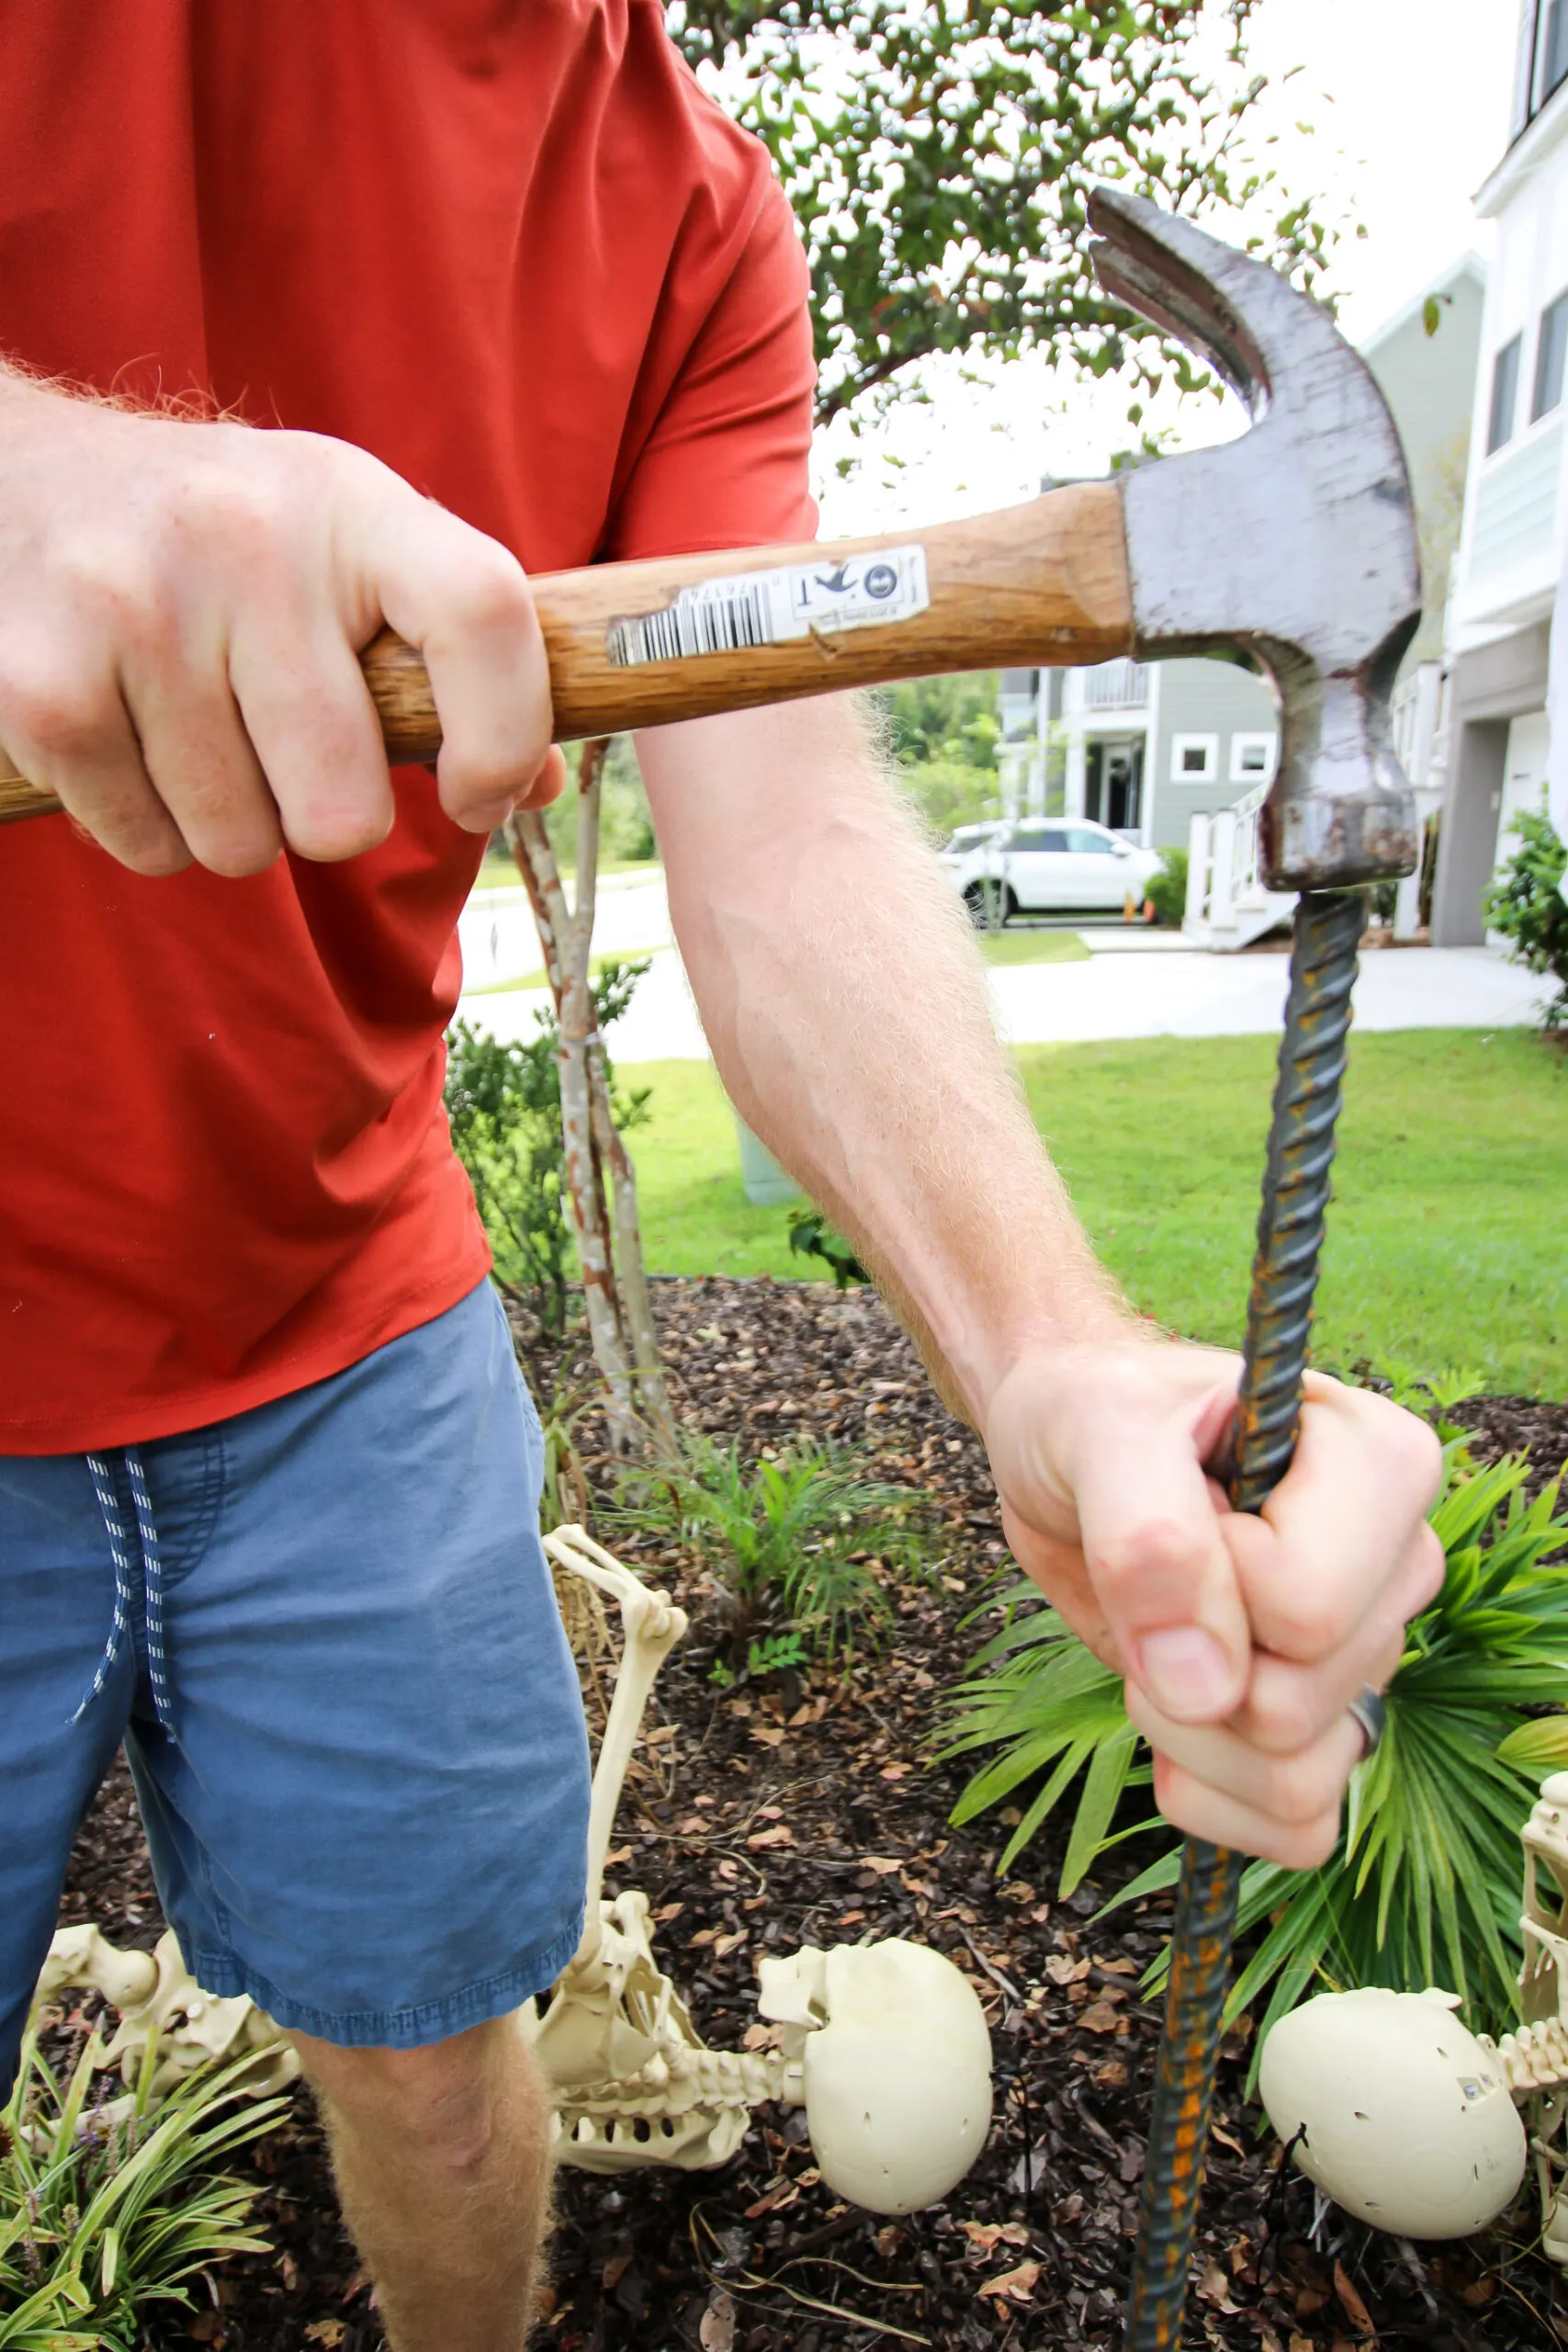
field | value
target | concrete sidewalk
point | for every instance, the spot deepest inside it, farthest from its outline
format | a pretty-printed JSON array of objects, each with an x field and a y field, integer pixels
[{"x": 1174, "y": 995}]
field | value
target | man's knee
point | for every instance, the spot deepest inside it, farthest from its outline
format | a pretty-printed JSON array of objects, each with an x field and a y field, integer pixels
[{"x": 450, "y": 2100}]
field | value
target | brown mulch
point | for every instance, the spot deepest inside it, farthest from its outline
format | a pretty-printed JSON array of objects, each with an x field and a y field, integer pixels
[{"x": 806, "y": 1809}]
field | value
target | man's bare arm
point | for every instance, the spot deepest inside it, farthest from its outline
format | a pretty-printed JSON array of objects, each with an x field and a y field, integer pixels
[
  {"x": 846, "y": 1008},
  {"x": 844, "y": 1002}
]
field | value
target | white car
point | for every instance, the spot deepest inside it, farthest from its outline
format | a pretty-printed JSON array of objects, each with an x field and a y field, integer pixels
[{"x": 1062, "y": 864}]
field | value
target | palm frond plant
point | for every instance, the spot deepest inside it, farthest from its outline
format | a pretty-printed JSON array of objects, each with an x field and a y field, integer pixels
[
  {"x": 102, "y": 2213},
  {"x": 789, "y": 1543},
  {"x": 1424, "y": 1885}
]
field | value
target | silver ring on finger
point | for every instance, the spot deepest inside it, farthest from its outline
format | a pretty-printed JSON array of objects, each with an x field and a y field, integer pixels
[{"x": 1373, "y": 1716}]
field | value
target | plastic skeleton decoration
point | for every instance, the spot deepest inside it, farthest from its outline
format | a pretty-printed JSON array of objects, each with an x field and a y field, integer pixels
[
  {"x": 885, "y": 2045},
  {"x": 1412, "y": 2124}
]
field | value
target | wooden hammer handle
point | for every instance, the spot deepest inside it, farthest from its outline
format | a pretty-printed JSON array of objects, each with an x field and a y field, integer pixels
[{"x": 1039, "y": 585}]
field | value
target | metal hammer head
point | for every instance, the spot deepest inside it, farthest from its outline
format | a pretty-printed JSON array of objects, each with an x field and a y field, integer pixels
[{"x": 1294, "y": 547}]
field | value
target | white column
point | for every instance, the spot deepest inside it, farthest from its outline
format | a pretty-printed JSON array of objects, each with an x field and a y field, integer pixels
[
  {"x": 1075, "y": 778},
  {"x": 1221, "y": 886},
  {"x": 1198, "y": 842}
]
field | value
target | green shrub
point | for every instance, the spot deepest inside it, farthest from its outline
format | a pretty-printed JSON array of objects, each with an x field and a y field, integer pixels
[
  {"x": 1169, "y": 889},
  {"x": 951, "y": 719},
  {"x": 946, "y": 794},
  {"x": 503, "y": 1105},
  {"x": 1424, "y": 1885},
  {"x": 1526, "y": 904},
  {"x": 100, "y": 2220},
  {"x": 787, "y": 1544},
  {"x": 810, "y": 1236}
]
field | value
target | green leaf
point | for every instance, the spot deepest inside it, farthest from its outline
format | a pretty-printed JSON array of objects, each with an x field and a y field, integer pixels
[
  {"x": 1541, "y": 1746},
  {"x": 1425, "y": 1884}
]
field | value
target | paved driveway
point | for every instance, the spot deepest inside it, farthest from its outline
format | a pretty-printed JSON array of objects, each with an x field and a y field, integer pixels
[{"x": 1190, "y": 994}]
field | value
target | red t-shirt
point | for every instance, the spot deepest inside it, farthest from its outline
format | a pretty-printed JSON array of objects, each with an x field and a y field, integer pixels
[{"x": 509, "y": 246}]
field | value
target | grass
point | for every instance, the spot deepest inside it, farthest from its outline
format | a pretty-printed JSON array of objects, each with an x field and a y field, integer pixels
[
  {"x": 1445, "y": 1241},
  {"x": 1032, "y": 947},
  {"x": 536, "y": 978},
  {"x": 498, "y": 869}
]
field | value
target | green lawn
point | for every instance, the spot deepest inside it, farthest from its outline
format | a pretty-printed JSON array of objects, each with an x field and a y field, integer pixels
[
  {"x": 536, "y": 978},
  {"x": 1447, "y": 1240},
  {"x": 995, "y": 947},
  {"x": 1032, "y": 947}
]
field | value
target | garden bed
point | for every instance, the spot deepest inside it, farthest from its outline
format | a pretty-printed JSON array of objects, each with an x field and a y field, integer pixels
[{"x": 782, "y": 1816}]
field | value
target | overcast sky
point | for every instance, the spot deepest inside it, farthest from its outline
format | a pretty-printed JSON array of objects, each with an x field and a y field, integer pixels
[{"x": 1409, "y": 104}]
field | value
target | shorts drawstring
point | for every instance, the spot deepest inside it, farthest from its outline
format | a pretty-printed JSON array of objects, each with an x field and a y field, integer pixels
[{"x": 131, "y": 1573}]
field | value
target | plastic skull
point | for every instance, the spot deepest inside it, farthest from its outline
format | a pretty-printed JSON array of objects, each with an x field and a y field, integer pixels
[
  {"x": 1407, "y": 2121},
  {"x": 896, "y": 2066}
]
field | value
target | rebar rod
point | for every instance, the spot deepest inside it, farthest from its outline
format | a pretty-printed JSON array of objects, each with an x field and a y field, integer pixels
[{"x": 1284, "y": 1275}]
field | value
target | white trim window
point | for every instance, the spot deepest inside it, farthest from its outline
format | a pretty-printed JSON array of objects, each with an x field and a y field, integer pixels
[
  {"x": 1253, "y": 758},
  {"x": 1194, "y": 759}
]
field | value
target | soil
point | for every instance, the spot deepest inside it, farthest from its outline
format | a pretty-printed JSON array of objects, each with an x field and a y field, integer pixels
[{"x": 808, "y": 1809}]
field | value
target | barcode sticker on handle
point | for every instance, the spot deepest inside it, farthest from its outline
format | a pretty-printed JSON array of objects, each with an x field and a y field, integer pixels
[{"x": 774, "y": 607}]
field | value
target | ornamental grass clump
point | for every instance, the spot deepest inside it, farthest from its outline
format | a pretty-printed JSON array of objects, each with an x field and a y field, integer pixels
[
  {"x": 1423, "y": 1887},
  {"x": 104, "y": 2214},
  {"x": 790, "y": 1544}
]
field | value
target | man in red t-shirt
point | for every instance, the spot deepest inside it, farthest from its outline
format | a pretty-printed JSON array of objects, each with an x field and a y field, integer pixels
[{"x": 448, "y": 289}]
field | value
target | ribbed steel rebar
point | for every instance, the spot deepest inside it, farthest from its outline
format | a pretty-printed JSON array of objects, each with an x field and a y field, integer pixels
[{"x": 1284, "y": 1276}]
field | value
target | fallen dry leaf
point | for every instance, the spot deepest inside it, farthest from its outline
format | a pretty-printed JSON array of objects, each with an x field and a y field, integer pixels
[
  {"x": 881, "y": 1863},
  {"x": 1214, "y": 2288},
  {"x": 781, "y": 1834},
  {"x": 1014, "y": 2285},
  {"x": 767, "y": 1739},
  {"x": 1063, "y": 1970},
  {"x": 1102, "y": 2017},
  {"x": 1352, "y": 2306},
  {"x": 987, "y": 2235},
  {"x": 715, "y": 2329},
  {"x": 616, "y": 2270},
  {"x": 668, "y": 1911},
  {"x": 329, "y": 2332},
  {"x": 728, "y": 1943},
  {"x": 775, "y": 2200}
]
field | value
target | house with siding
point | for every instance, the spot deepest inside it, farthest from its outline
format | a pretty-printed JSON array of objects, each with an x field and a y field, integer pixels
[{"x": 1490, "y": 755}]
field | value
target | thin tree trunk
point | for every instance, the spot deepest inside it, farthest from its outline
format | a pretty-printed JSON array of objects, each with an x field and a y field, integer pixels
[
  {"x": 636, "y": 1306},
  {"x": 620, "y": 1315},
  {"x": 566, "y": 935}
]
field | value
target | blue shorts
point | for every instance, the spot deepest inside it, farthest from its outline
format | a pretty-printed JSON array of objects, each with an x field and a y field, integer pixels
[{"x": 325, "y": 1632}]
